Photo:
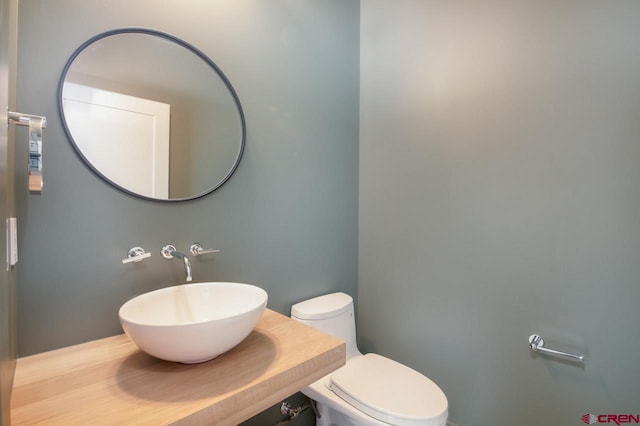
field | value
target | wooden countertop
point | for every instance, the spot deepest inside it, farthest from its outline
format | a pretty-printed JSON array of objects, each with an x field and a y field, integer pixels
[{"x": 111, "y": 382}]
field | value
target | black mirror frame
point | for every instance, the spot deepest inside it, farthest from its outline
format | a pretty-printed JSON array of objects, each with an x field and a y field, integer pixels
[{"x": 182, "y": 43}]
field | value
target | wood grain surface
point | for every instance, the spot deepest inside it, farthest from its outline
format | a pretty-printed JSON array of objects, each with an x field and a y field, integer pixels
[{"x": 111, "y": 382}]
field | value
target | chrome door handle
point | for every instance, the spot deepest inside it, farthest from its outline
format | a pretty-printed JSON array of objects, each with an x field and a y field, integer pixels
[{"x": 35, "y": 123}]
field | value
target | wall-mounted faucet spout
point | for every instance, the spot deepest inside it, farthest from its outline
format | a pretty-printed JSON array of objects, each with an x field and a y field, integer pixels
[{"x": 169, "y": 251}]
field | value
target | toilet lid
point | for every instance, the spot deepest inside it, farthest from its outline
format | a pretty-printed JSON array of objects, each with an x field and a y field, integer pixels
[{"x": 389, "y": 391}]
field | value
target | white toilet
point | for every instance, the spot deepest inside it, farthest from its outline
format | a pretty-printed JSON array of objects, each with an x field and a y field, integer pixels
[{"x": 370, "y": 389}]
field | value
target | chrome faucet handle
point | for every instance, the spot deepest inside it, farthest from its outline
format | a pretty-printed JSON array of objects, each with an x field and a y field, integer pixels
[
  {"x": 136, "y": 254},
  {"x": 196, "y": 249}
]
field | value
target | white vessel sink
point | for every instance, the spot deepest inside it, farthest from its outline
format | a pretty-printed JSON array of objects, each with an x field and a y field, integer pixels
[{"x": 193, "y": 323}]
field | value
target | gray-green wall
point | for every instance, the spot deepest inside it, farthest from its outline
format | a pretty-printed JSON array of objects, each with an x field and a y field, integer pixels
[
  {"x": 499, "y": 196},
  {"x": 286, "y": 220}
]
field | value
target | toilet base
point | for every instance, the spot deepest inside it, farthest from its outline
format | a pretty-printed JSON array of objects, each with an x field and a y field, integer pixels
[{"x": 332, "y": 417}]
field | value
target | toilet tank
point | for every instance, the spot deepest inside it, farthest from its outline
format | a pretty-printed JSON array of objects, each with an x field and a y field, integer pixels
[{"x": 332, "y": 313}]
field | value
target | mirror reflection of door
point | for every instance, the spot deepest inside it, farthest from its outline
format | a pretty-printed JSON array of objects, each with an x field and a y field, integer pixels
[{"x": 123, "y": 137}]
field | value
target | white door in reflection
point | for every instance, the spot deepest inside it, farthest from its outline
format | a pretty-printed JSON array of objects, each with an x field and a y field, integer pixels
[{"x": 128, "y": 139}]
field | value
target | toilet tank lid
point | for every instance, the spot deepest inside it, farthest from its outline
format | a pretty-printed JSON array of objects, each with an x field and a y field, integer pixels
[{"x": 322, "y": 307}]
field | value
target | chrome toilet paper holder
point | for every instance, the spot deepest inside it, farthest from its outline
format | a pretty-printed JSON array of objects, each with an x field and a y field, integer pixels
[{"x": 536, "y": 344}]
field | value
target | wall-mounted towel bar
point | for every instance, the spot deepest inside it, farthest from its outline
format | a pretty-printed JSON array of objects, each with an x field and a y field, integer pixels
[
  {"x": 35, "y": 123},
  {"x": 536, "y": 344}
]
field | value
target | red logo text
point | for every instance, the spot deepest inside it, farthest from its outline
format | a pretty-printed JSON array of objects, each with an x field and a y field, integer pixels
[{"x": 618, "y": 419}]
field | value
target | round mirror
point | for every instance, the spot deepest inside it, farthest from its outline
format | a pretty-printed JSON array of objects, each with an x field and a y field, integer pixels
[{"x": 151, "y": 114}]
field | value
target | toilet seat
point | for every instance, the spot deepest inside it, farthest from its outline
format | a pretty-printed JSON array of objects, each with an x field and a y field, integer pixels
[{"x": 389, "y": 391}]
